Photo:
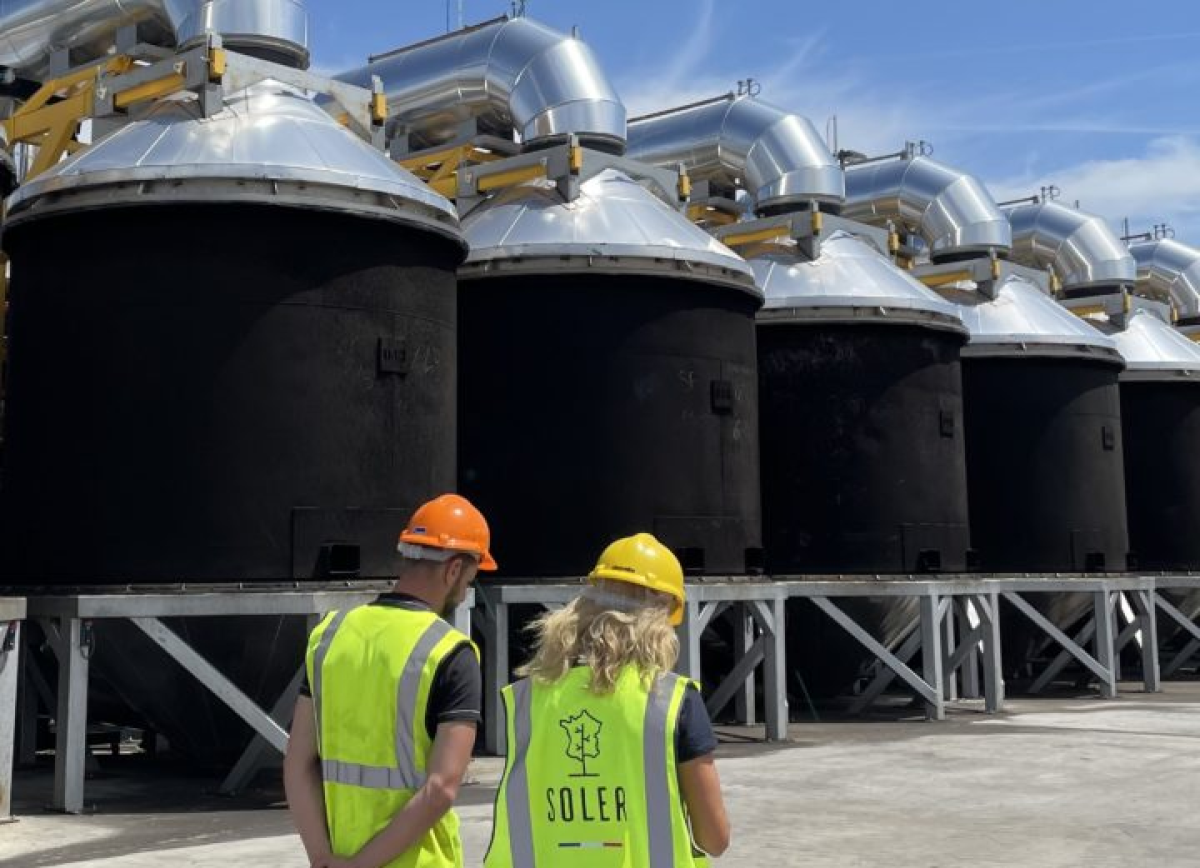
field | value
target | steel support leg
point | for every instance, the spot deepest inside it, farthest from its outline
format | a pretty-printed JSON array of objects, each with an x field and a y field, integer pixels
[
  {"x": 772, "y": 622},
  {"x": 462, "y": 620},
  {"x": 949, "y": 672},
  {"x": 1106, "y": 652},
  {"x": 689, "y": 640},
  {"x": 10, "y": 658},
  {"x": 931, "y": 656},
  {"x": 743, "y": 641},
  {"x": 72, "y": 648},
  {"x": 27, "y": 709},
  {"x": 1143, "y": 605},
  {"x": 493, "y": 625},
  {"x": 970, "y": 666},
  {"x": 988, "y": 608}
]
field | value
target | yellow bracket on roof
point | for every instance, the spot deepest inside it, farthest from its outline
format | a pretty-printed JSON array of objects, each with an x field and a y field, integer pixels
[
  {"x": 700, "y": 212},
  {"x": 439, "y": 169},
  {"x": 52, "y": 126},
  {"x": 768, "y": 234},
  {"x": 943, "y": 279}
]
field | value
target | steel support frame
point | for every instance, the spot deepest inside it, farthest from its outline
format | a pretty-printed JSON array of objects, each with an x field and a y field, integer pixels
[
  {"x": 1099, "y": 629},
  {"x": 967, "y": 650},
  {"x": 759, "y": 640},
  {"x": 12, "y": 611},
  {"x": 67, "y": 621},
  {"x": 941, "y": 632},
  {"x": 1187, "y": 622}
]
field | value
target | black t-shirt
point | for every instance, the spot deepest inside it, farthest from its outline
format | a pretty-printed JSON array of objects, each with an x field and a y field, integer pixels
[
  {"x": 694, "y": 736},
  {"x": 457, "y": 689}
]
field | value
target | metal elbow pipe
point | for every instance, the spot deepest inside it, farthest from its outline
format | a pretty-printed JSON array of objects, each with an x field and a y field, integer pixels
[
  {"x": 507, "y": 75},
  {"x": 776, "y": 156},
  {"x": 31, "y": 31},
  {"x": 1168, "y": 268},
  {"x": 1080, "y": 248},
  {"x": 950, "y": 209}
]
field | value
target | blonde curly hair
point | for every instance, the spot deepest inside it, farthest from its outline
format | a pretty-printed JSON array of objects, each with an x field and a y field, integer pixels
[{"x": 609, "y": 626}]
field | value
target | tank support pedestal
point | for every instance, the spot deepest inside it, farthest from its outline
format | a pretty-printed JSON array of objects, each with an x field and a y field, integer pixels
[{"x": 12, "y": 611}]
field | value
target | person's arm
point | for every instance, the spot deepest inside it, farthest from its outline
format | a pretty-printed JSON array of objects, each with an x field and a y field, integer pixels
[
  {"x": 700, "y": 787},
  {"x": 303, "y": 786},
  {"x": 447, "y": 764}
]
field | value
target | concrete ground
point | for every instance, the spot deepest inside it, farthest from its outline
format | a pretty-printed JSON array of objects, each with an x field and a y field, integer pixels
[{"x": 1051, "y": 782}]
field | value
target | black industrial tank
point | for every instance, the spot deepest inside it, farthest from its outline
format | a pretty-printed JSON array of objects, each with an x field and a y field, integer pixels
[
  {"x": 1044, "y": 464},
  {"x": 863, "y": 467},
  {"x": 862, "y": 446},
  {"x": 607, "y": 381},
  {"x": 597, "y": 406},
  {"x": 243, "y": 371},
  {"x": 1161, "y": 422},
  {"x": 256, "y": 414},
  {"x": 1160, "y": 415}
]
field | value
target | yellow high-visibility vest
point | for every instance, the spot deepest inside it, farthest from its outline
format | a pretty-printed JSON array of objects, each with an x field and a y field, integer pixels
[
  {"x": 591, "y": 780},
  {"x": 371, "y": 670}
]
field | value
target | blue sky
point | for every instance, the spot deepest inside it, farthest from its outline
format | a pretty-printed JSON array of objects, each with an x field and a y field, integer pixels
[{"x": 1100, "y": 98}]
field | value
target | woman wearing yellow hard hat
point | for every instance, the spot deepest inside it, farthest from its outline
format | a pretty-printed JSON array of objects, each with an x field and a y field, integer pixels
[{"x": 610, "y": 754}]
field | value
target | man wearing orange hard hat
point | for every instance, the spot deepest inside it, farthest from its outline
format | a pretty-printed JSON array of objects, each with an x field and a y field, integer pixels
[{"x": 385, "y": 725}]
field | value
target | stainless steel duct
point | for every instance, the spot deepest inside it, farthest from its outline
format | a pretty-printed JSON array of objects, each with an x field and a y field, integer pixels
[
  {"x": 31, "y": 31},
  {"x": 1078, "y": 247},
  {"x": 1168, "y": 268},
  {"x": 951, "y": 210},
  {"x": 505, "y": 75},
  {"x": 741, "y": 142}
]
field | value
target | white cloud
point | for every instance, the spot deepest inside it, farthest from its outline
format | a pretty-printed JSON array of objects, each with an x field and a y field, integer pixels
[{"x": 1160, "y": 185}]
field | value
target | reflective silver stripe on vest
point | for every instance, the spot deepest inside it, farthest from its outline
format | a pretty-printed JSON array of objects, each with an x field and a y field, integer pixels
[
  {"x": 659, "y": 825},
  {"x": 516, "y": 789},
  {"x": 406, "y": 699},
  {"x": 371, "y": 777},
  {"x": 319, "y": 664}
]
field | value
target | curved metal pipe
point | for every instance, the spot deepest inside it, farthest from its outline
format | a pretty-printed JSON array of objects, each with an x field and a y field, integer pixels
[
  {"x": 951, "y": 210},
  {"x": 1168, "y": 268},
  {"x": 505, "y": 74},
  {"x": 31, "y": 31},
  {"x": 731, "y": 142},
  {"x": 1079, "y": 247}
]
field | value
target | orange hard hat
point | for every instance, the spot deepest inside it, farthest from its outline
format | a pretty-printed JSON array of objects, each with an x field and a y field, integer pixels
[{"x": 451, "y": 523}]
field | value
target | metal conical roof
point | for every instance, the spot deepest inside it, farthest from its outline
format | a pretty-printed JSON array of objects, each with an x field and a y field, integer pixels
[
  {"x": 1153, "y": 350},
  {"x": 270, "y": 143},
  {"x": 615, "y": 225},
  {"x": 1021, "y": 320},
  {"x": 849, "y": 280}
]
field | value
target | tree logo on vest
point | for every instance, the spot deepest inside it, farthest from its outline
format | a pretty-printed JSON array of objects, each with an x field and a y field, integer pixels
[{"x": 583, "y": 741}]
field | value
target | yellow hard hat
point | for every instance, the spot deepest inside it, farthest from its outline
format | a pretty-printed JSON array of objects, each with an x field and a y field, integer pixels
[{"x": 642, "y": 560}]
